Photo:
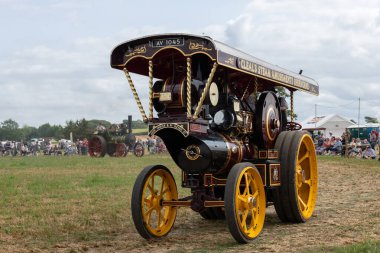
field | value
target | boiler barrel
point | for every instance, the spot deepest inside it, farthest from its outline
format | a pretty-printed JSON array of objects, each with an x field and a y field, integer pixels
[{"x": 199, "y": 153}]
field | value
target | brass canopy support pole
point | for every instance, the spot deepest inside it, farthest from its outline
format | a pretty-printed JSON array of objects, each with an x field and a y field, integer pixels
[
  {"x": 188, "y": 87},
  {"x": 205, "y": 91},
  {"x": 135, "y": 95},
  {"x": 291, "y": 107},
  {"x": 150, "y": 89}
]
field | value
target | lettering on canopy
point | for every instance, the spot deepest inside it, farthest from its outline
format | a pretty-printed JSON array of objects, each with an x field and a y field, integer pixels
[{"x": 274, "y": 75}]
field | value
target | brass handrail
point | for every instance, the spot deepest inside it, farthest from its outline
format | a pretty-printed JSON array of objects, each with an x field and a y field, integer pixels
[
  {"x": 135, "y": 95},
  {"x": 205, "y": 91}
]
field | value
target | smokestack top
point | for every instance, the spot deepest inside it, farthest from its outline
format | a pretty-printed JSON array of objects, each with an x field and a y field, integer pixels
[{"x": 129, "y": 124}]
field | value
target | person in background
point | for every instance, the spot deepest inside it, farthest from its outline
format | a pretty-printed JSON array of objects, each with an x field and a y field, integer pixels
[
  {"x": 326, "y": 145},
  {"x": 78, "y": 144},
  {"x": 369, "y": 153},
  {"x": 319, "y": 149},
  {"x": 101, "y": 127},
  {"x": 372, "y": 138},
  {"x": 365, "y": 143},
  {"x": 337, "y": 147},
  {"x": 354, "y": 151},
  {"x": 85, "y": 146}
]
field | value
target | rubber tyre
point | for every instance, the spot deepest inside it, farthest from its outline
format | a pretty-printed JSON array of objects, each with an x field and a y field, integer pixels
[
  {"x": 142, "y": 225},
  {"x": 289, "y": 203},
  {"x": 278, "y": 204},
  {"x": 233, "y": 205}
]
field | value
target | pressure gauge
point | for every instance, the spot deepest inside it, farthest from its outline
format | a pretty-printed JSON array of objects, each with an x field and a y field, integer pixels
[{"x": 214, "y": 94}]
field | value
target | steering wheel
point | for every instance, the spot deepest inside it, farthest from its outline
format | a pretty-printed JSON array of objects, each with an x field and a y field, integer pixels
[{"x": 293, "y": 126}]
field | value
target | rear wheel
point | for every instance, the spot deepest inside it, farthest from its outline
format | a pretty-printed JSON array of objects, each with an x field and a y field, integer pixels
[
  {"x": 295, "y": 199},
  {"x": 215, "y": 213},
  {"x": 97, "y": 146},
  {"x": 153, "y": 185},
  {"x": 245, "y": 202}
]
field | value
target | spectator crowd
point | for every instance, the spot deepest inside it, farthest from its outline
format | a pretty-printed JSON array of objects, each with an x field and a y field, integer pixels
[
  {"x": 37, "y": 147},
  {"x": 356, "y": 147}
]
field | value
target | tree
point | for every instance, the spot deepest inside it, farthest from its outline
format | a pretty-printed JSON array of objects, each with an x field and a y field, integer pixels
[
  {"x": 9, "y": 124},
  {"x": 369, "y": 119},
  {"x": 28, "y": 132},
  {"x": 9, "y": 130},
  {"x": 282, "y": 92},
  {"x": 79, "y": 128},
  {"x": 47, "y": 130}
]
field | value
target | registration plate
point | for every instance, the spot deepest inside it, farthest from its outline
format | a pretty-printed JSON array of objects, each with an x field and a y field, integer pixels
[{"x": 168, "y": 42}]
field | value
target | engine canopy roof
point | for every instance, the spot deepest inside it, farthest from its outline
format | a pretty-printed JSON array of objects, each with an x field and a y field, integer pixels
[{"x": 135, "y": 54}]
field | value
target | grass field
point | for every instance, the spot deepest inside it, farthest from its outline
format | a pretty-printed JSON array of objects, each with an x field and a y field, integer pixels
[
  {"x": 81, "y": 204},
  {"x": 140, "y": 131}
]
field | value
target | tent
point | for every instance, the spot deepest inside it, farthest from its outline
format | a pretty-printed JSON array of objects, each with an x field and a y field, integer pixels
[{"x": 330, "y": 125}]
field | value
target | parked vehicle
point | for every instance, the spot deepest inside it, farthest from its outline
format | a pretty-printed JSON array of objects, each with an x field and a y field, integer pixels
[
  {"x": 225, "y": 126},
  {"x": 115, "y": 141}
]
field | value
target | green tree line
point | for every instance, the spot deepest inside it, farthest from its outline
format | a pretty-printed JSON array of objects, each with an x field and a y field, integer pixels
[{"x": 10, "y": 129}]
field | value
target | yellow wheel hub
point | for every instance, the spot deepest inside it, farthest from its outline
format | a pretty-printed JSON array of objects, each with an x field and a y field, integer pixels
[
  {"x": 306, "y": 176},
  {"x": 159, "y": 186}
]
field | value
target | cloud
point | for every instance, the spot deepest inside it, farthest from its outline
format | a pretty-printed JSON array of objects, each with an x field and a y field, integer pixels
[{"x": 335, "y": 42}]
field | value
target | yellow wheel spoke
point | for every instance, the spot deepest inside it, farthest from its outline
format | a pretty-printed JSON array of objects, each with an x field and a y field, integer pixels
[
  {"x": 244, "y": 219},
  {"x": 253, "y": 213},
  {"x": 306, "y": 155},
  {"x": 165, "y": 191},
  {"x": 147, "y": 213},
  {"x": 242, "y": 198},
  {"x": 153, "y": 183},
  {"x": 302, "y": 202},
  {"x": 159, "y": 217},
  {"x": 150, "y": 189},
  {"x": 253, "y": 181},
  {"x": 299, "y": 181},
  {"x": 308, "y": 182},
  {"x": 255, "y": 194},
  {"x": 162, "y": 185},
  {"x": 246, "y": 191}
]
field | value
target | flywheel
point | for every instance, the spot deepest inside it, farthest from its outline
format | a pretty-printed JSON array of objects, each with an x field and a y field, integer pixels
[{"x": 268, "y": 120}]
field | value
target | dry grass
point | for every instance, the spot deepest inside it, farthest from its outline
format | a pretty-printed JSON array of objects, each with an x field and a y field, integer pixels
[{"x": 79, "y": 204}]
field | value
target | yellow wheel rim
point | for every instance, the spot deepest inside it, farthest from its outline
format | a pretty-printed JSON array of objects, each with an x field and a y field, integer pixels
[
  {"x": 250, "y": 203},
  {"x": 306, "y": 176},
  {"x": 159, "y": 186}
]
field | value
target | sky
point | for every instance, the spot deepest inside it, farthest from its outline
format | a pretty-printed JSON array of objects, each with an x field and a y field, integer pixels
[{"x": 54, "y": 55}]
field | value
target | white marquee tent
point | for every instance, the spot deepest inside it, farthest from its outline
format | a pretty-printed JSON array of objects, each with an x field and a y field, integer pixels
[{"x": 332, "y": 124}]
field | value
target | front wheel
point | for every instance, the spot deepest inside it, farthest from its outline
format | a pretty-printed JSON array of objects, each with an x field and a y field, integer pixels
[
  {"x": 245, "y": 202},
  {"x": 138, "y": 150},
  {"x": 153, "y": 185}
]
